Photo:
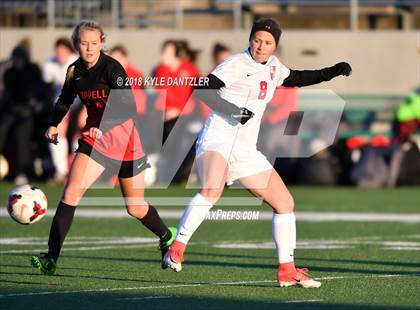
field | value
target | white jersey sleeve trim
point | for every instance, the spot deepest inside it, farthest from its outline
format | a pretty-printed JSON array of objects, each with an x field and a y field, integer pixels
[
  {"x": 227, "y": 70},
  {"x": 284, "y": 72}
]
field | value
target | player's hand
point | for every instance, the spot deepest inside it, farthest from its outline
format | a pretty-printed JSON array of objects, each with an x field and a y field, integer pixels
[
  {"x": 343, "y": 68},
  {"x": 52, "y": 135},
  {"x": 95, "y": 133},
  {"x": 243, "y": 115}
]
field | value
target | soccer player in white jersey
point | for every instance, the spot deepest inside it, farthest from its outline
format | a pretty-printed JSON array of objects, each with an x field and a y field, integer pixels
[{"x": 226, "y": 148}]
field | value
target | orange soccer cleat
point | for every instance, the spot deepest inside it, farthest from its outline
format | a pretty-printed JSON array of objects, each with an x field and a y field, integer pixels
[
  {"x": 175, "y": 256},
  {"x": 296, "y": 276}
]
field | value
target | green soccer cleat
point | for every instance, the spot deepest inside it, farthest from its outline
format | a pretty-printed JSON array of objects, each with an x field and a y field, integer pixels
[
  {"x": 44, "y": 263},
  {"x": 164, "y": 246}
]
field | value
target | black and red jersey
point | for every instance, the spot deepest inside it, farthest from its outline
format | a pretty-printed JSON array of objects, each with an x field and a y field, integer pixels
[{"x": 110, "y": 106}]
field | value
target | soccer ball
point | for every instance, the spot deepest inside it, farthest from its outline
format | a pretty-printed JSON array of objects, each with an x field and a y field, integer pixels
[{"x": 27, "y": 204}]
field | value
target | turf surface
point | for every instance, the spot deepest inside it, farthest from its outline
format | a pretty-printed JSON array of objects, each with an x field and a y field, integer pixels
[{"x": 114, "y": 263}]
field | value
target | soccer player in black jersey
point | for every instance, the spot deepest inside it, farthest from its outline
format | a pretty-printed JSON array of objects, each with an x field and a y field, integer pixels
[{"x": 110, "y": 141}]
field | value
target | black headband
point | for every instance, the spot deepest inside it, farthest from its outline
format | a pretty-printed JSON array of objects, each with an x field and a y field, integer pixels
[{"x": 269, "y": 25}]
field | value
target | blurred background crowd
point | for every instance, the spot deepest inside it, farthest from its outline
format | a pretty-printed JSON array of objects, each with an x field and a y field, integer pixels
[{"x": 377, "y": 143}]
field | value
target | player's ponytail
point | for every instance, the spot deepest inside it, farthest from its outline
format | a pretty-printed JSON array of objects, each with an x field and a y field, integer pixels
[
  {"x": 70, "y": 73},
  {"x": 86, "y": 24}
]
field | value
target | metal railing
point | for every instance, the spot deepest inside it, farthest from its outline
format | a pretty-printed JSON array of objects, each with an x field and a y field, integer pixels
[
  {"x": 405, "y": 3},
  {"x": 353, "y": 5},
  {"x": 167, "y": 13}
]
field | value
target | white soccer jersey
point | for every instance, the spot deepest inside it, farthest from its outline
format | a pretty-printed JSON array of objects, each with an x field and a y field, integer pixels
[{"x": 247, "y": 84}]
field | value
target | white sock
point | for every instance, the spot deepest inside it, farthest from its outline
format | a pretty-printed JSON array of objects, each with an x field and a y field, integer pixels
[
  {"x": 192, "y": 217},
  {"x": 284, "y": 235}
]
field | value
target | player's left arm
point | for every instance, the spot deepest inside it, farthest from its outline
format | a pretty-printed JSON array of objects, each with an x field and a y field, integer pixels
[{"x": 299, "y": 78}]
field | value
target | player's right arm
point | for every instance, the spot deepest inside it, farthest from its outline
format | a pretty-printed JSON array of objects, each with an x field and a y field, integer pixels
[
  {"x": 64, "y": 101},
  {"x": 208, "y": 94},
  {"x": 224, "y": 75}
]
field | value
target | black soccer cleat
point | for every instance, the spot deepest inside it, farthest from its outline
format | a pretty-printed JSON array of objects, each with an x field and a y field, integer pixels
[{"x": 164, "y": 246}]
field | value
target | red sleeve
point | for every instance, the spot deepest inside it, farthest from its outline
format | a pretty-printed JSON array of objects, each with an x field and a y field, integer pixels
[
  {"x": 160, "y": 102},
  {"x": 139, "y": 94},
  {"x": 185, "y": 103}
]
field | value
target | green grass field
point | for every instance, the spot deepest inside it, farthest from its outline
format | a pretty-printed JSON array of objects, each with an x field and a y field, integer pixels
[{"x": 114, "y": 263}]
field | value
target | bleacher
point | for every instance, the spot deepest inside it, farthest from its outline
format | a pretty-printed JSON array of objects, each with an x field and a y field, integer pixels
[
  {"x": 369, "y": 115},
  {"x": 371, "y": 14}
]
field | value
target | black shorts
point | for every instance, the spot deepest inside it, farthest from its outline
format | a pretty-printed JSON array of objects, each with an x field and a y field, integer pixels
[{"x": 124, "y": 169}]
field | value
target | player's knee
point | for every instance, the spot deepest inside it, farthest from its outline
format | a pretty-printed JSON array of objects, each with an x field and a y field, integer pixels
[
  {"x": 137, "y": 211},
  {"x": 131, "y": 210},
  {"x": 288, "y": 204},
  {"x": 212, "y": 195},
  {"x": 72, "y": 195},
  {"x": 285, "y": 205}
]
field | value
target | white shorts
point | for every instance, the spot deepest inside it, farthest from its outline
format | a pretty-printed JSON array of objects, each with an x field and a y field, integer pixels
[{"x": 243, "y": 161}]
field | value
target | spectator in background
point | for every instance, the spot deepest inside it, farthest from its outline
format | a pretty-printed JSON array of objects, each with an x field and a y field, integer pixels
[
  {"x": 219, "y": 53},
  {"x": 407, "y": 117},
  {"x": 405, "y": 159},
  {"x": 186, "y": 52},
  {"x": 176, "y": 61},
  {"x": 54, "y": 74},
  {"x": 371, "y": 170},
  {"x": 23, "y": 94},
  {"x": 391, "y": 163},
  {"x": 120, "y": 54},
  {"x": 5, "y": 64}
]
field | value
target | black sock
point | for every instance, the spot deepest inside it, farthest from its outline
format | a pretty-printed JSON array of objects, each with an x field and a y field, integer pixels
[
  {"x": 155, "y": 224},
  {"x": 59, "y": 228}
]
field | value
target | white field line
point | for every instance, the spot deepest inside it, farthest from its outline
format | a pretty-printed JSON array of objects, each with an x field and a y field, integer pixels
[
  {"x": 320, "y": 244},
  {"x": 94, "y": 248},
  {"x": 139, "y": 288},
  {"x": 145, "y": 298},
  {"x": 293, "y": 301},
  {"x": 78, "y": 240},
  {"x": 369, "y": 276},
  {"x": 89, "y": 248},
  {"x": 165, "y": 201},
  {"x": 131, "y": 240},
  {"x": 126, "y": 242},
  {"x": 402, "y": 248},
  {"x": 262, "y": 215},
  {"x": 169, "y": 201}
]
